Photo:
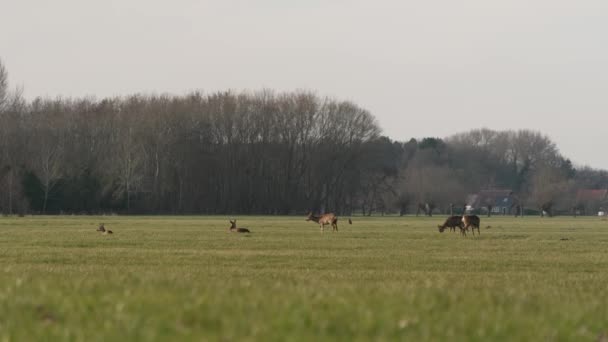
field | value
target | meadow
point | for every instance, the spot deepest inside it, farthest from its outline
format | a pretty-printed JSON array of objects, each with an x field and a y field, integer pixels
[{"x": 379, "y": 279}]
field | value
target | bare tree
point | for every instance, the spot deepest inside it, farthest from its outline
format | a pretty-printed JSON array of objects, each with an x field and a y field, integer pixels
[
  {"x": 121, "y": 159},
  {"x": 13, "y": 155},
  {"x": 3, "y": 85},
  {"x": 47, "y": 123},
  {"x": 262, "y": 152},
  {"x": 549, "y": 189},
  {"x": 433, "y": 187}
]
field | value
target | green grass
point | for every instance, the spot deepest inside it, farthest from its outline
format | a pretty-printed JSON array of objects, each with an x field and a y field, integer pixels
[{"x": 383, "y": 279}]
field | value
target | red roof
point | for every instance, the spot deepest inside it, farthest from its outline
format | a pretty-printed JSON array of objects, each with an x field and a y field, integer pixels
[{"x": 591, "y": 194}]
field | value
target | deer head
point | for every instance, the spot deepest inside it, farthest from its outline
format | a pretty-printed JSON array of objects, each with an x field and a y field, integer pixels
[{"x": 310, "y": 216}]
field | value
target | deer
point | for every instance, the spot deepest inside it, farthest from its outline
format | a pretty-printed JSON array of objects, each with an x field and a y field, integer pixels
[
  {"x": 103, "y": 229},
  {"x": 452, "y": 222},
  {"x": 324, "y": 219},
  {"x": 234, "y": 229},
  {"x": 471, "y": 221}
]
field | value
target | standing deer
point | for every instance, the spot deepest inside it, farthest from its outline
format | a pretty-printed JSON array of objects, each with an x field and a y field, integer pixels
[
  {"x": 234, "y": 229},
  {"x": 324, "y": 219},
  {"x": 471, "y": 221}
]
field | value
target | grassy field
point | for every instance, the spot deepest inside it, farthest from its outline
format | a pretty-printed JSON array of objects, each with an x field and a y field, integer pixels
[{"x": 381, "y": 279}]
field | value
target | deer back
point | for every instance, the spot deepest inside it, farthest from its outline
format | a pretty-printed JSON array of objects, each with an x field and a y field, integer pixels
[
  {"x": 472, "y": 220},
  {"x": 327, "y": 218}
]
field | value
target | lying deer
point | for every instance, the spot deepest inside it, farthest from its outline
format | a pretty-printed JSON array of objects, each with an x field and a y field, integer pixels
[
  {"x": 452, "y": 222},
  {"x": 234, "y": 229},
  {"x": 103, "y": 229},
  {"x": 471, "y": 221},
  {"x": 324, "y": 219}
]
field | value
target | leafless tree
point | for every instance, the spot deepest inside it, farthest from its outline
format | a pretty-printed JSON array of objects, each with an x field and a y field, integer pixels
[
  {"x": 253, "y": 152},
  {"x": 3, "y": 85},
  {"x": 13, "y": 137},
  {"x": 549, "y": 187}
]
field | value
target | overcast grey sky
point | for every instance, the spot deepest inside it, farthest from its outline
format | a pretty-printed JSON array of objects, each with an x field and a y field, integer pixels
[{"x": 423, "y": 68}]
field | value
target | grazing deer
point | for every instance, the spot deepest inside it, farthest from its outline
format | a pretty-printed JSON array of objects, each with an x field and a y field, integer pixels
[
  {"x": 103, "y": 229},
  {"x": 471, "y": 221},
  {"x": 234, "y": 229},
  {"x": 452, "y": 222},
  {"x": 324, "y": 219}
]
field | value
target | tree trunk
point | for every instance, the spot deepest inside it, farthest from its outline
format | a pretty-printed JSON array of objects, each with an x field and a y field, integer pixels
[
  {"x": 10, "y": 193},
  {"x": 46, "y": 197}
]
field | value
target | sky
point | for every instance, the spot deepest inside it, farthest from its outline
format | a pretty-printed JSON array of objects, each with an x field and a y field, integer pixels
[{"x": 422, "y": 68}]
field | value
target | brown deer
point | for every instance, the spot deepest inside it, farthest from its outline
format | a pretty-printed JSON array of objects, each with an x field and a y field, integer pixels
[
  {"x": 452, "y": 222},
  {"x": 471, "y": 221},
  {"x": 234, "y": 229},
  {"x": 324, "y": 219},
  {"x": 103, "y": 229}
]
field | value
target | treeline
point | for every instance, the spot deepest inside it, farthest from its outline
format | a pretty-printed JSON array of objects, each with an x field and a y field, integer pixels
[{"x": 254, "y": 153}]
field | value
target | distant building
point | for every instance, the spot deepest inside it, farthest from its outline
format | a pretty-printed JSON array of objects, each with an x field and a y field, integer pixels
[
  {"x": 591, "y": 201},
  {"x": 496, "y": 201}
]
